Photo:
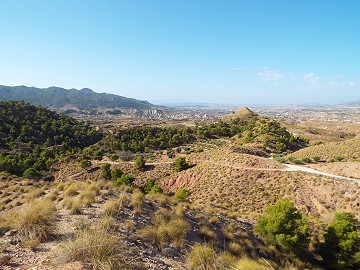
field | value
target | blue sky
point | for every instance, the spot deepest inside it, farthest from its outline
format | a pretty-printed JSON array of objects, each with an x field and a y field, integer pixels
[{"x": 237, "y": 52}]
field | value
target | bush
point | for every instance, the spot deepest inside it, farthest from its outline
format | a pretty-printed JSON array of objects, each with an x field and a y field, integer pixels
[
  {"x": 341, "y": 249},
  {"x": 182, "y": 195},
  {"x": 140, "y": 163},
  {"x": 151, "y": 187},
  {"x": 105, "y": 171},
  {"x": 282, "y": 225},
  {"x": 316, "y": 158},
  {"x": 115, "y": 173},
  {"x": 124, "y": 180},
  {"x": 85, "y": 163},
  {"x": 181, "y": 164}
]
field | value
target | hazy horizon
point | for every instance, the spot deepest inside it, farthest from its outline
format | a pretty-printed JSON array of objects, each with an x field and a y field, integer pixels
[{"x": 233, "y": 52}]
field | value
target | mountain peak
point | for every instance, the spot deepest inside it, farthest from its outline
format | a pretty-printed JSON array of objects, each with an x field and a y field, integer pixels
[{"x": 243, "y": 112}]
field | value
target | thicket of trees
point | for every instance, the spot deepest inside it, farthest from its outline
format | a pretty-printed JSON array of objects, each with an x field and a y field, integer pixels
[
  {"x": 249, "y": 130},
  {"x": 31, "y": 138}
]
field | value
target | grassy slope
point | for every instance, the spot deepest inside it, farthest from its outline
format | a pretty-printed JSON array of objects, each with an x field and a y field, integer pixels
[{"x": 348, "y": 149}]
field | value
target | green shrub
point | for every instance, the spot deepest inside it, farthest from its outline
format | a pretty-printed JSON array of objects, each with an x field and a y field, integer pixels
[
  {"x": 140, "y": 163},
  {"x": 125, "y": 179},
  {"x": 282, "y": 225},
  {"x": 341, "y": 249},
  {"x": 105, "y": 171},
  {"x": 181, "y": 164},
  {"x": 182, "y": 195},
  {"x": 115, "y": 173},
  {"x": 85, "y": 163},
  {"x": 151, "y": 187}
]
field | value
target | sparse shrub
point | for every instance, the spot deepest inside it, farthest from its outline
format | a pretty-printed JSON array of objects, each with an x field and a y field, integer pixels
[
  {"x": 316, "y": 158},
  {"x": 35, "y": 193},
  {"x": 182, "y": 195},
  {"x": 247, "y": 263},
  {"x": 282, "y": 225},
  {"x": 129, "y": 225},
  {"x": 235, "y": 248},
  {"x": 306, "y": 160},
  {"x": 214, "y": 220},
  {"x": 85, "y": 163},
  {"x": 165, "y": 228}
]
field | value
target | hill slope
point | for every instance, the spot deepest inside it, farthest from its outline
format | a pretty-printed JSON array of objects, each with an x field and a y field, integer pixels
[
  {"x": 31, "y": 137},
  {"x": 331, "y": 151},
  {"x": 59, "y": 97}
]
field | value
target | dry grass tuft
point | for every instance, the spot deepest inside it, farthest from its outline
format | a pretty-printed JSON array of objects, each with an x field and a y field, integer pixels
[
  {"x": 97, "y": 247},
  {"x": 33, "y": 221}
]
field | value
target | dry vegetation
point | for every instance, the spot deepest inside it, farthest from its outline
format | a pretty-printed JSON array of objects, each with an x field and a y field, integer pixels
[
  {"x": 332, "y": 151},
  {"x": 236, "y": 192},
  {"x": 347, "y": 169}
]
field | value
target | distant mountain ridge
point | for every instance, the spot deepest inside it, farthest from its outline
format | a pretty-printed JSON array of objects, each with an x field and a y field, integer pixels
[{"x": 60, "y": 97}]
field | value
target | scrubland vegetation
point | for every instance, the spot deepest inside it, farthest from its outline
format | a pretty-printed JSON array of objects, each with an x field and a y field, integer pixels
[{"x": 160, "y": 197}]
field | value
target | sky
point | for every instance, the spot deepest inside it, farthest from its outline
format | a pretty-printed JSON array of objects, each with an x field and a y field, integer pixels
[{"x": 186, "y": 51}]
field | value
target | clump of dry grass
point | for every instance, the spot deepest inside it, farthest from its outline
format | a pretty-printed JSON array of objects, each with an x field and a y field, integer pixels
[
  {"x": 73, "y": 204},
  {"x": 111, "y": 207},
  {"x": 204, "y": 257},
  {"x": 165, "y": 228},
  {"x": 137, "y": 200},
  {"x": 34, "y": 194},
  {"x": 96, "y": 246},
  {"x": 34, "y": 221},
  {"x": 247, "y": 263},
  {"x": 208, "y": 234}
]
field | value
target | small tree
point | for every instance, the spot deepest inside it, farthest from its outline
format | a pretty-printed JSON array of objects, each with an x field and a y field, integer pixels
[
  {"x": 140, "y": 163},
  {"x": 182, "y": 195},
  {"x": 115, "y": 173},
  {"x": 105, "y": 171},
  {"x": 85, "y": 163},
  {"x": 124, "y": 180},
  {"x": 181, "y": 164},
  {"x": 283, "y": 226},
  {"x": 341, "y": 249},
  {"x": 151, "y": 187}
]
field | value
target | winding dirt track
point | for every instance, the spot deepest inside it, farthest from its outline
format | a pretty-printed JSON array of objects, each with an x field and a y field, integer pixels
[{"x": 288, "y": 168}]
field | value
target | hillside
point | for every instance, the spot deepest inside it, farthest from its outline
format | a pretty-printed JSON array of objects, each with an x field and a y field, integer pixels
[
  {"x": 95, "y": 225},
  {"x": 58, "y": 97},
  {"x": 331, "y": 151},
  {"x": 32, "y": 137}
]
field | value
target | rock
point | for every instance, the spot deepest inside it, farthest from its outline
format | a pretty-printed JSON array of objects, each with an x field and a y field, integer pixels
[{"x": 170, "y": 252}]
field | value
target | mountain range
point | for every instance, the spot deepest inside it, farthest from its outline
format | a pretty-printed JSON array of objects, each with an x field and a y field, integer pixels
[{"x": 59, "y": 97}]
